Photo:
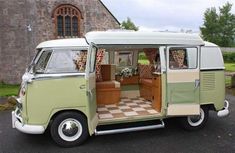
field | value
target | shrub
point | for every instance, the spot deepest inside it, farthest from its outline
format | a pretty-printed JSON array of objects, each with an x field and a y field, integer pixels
[{"x": 229, "y": 57}]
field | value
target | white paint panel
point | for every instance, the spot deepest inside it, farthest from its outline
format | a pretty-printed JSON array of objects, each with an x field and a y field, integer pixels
[
  {"x": 211, "y": 58},
  {"x": 124, "y": 37},
  {"x": 183, "y": 109},
  {"x": 182, "y": 76},
  {"x": 73, "y": 42}
]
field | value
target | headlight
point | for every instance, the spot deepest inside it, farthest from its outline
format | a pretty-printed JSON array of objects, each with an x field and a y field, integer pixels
[{"x": 22, "y": 89}]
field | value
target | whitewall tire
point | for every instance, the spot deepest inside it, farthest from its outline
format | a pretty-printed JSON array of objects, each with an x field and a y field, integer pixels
[
  {"x": 69, "y": 129},
  {"x": 195, "y": 122}
]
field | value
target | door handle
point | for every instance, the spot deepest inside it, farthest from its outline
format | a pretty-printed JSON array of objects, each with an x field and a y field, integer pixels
[
  {"x": 197, "y": 83},
  {"x": 82, "y": 86}
]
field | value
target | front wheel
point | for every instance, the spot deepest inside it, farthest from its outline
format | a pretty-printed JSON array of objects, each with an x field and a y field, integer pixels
[
  {"x": 195, "y": 122},
  {"x": 69, "y": 129}
]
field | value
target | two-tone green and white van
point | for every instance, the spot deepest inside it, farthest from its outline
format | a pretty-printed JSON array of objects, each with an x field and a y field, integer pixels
[{"x": 114, "y": 82}]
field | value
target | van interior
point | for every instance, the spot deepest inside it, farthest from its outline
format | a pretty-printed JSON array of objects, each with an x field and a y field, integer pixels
[{"x": 128, "y": 83}]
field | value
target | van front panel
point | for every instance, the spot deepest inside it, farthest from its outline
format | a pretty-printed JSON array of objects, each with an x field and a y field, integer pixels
[{"x": 47, "y": 95}]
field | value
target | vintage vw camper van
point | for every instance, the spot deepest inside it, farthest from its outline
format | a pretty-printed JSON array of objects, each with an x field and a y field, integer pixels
[{"x": 99, "y": 85}]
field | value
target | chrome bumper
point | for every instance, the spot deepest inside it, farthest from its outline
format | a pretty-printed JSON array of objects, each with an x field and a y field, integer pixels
[
  {"x": 225, "y": 110},
  {"x": 30, "y": 129}
]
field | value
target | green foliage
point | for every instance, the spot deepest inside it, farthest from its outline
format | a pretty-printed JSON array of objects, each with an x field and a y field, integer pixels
[
  {"x": 142, "y": 56},
  {"x": 8, "y": 90},
  {"x": 219, "y": 28},
  {"x": 229, "y": 57},
  {"x": 228, "y": 81},
  {"x": 142, "y": 59},
  {"x": 229, "y": 67},
  {"x": 129, "y": 25}
]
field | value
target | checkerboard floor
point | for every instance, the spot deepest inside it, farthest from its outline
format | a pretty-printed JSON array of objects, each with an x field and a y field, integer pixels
[{"x": 126, "y": 108}]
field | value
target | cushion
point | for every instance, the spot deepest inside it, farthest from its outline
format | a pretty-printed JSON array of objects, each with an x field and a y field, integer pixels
[
  {"x": 107, "y": 84},
  {"x": 145, "y": 71}
]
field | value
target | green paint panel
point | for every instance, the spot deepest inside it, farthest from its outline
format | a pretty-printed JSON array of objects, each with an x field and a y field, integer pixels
[
  {"x": 182, "y": 93},
  {"x": 212, "y": 88}
]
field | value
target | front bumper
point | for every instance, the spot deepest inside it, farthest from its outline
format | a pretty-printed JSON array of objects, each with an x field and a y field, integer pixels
[
  {"x": 25, "y": 128},
  {"x": 225, "y": 110}
]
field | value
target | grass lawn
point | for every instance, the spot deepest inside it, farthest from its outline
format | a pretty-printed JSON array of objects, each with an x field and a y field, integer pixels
[
  {"x": 228, "y": 80},
  {"x": 230, "y": 67},
  {"x": 8, "y": 90}
]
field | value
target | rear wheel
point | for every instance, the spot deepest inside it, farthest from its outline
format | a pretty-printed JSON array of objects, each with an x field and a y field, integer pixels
[
  {"x": 195, "y": 122},
  {"x": 69, "y": 129}
]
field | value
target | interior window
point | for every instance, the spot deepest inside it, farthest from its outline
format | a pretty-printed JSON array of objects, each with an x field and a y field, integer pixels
[
  {"x": 142, "y": 58},
  {"x": 123, "y": 58},
  {"x": 105, "y": 59},
  {"x": 67, "y": 61},
  {"x": 183, "y": 58}
]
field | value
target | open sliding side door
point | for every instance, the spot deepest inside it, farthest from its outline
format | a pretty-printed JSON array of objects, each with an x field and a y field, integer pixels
[
  {"x": 183, "y": 81},
  {"x": 91, "y": 86}
]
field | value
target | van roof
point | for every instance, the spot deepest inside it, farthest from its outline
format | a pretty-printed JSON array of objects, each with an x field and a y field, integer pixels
[
  {"x": 210, "y": 44},
  {"x": 74, "y": 42},
  {"x": 143, "y": 38}
]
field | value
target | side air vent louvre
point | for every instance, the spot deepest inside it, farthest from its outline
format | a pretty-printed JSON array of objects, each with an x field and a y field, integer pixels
[{"x": 208, "y": 81}]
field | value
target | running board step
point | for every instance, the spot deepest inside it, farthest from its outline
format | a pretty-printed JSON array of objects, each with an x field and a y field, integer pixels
[{"x": 130, "y": 129}]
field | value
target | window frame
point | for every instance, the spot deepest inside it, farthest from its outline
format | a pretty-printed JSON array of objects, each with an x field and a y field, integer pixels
[
  {"x": 182, "y": 48},
  {"x": 70, "y": 11},
  {"x": 92, "y": 64},
  {"x": 38, "y": 59},
  {"x": 124, "y": 52}
]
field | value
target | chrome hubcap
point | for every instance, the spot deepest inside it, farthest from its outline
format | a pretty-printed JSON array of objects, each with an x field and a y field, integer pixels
[{"x": 70, "y": 129}]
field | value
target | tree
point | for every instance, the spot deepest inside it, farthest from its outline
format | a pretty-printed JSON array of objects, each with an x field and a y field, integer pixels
[
  {"x": 129, "y": 25},
  {"x": 227, "y": 24},
  {"x": 219, "y": 28}
]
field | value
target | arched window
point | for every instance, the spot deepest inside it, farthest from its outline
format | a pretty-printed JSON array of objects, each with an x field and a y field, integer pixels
[{"x": 67, "y": 21}]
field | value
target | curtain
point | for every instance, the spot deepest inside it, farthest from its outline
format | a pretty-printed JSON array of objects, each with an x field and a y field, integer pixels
[
  {"x": 99, "y": 57},
  {"x": 178, "y": 56},
  {"x": 150, "y": 54}
]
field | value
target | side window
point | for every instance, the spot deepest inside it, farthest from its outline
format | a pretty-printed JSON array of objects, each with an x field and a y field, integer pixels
[
  {"x": 67, "y": 61},
  {"x": 42, "y": 61},
  {"x": 183, "y": 58},
  {"x": 123, "y": 58}
]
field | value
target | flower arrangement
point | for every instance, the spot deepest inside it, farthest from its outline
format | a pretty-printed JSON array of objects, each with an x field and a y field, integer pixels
[{"x": 126, "y": 72}]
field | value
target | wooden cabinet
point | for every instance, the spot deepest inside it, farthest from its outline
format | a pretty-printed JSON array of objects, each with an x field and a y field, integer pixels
[
  {"x": 108, "y": 72},
  {"x": 156, "y": 92},
  {"x": 128, "y": 80}
]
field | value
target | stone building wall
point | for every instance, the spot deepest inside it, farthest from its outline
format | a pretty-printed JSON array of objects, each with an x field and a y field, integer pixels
[{"x": 18, "y": 42}]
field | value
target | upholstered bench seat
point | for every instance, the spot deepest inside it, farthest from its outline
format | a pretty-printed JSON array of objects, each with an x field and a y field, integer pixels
[
  {"x": 107, "y": 84},
  {"x": 108, "y": 92}
]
